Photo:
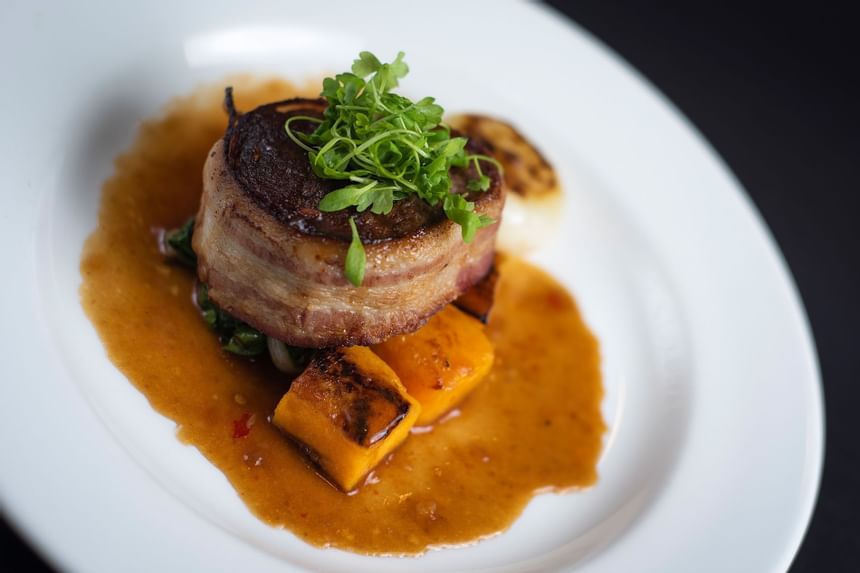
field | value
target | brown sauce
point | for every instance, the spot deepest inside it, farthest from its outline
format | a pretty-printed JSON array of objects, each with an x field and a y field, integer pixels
[{"x": 533, "y": 425}]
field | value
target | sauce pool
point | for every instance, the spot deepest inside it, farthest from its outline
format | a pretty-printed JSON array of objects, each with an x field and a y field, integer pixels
[{"x": 533, "y": 425}]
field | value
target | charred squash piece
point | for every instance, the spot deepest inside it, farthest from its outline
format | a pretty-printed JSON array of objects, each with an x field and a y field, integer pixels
[
  {"x": 347, "y": 410},
  {"x": 478, "y": 300},
  {"x": 440, "y": 363}
]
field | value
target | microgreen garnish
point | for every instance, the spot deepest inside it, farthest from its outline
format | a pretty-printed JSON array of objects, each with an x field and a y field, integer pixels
[
  {"x": 353, "y": 268},
  {"x": 387, "y": 148}
]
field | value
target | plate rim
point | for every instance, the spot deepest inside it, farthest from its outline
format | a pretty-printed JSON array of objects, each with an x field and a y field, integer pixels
[{"x": 23, "y": 524}]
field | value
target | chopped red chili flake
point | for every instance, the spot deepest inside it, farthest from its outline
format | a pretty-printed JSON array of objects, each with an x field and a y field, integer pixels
[{"x": 242, "y": 426}]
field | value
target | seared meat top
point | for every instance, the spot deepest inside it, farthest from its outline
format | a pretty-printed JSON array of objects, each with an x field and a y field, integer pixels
[{"x": 276, "y": 174}]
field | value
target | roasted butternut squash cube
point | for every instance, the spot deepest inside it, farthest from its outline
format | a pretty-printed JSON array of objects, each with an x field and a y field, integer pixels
[
  {"x": 348, "y": 410},
  {"x": 440, "y": 363}
]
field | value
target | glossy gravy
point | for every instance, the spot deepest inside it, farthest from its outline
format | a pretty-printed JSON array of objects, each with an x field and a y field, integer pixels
[{"x": 533, "y": 425}]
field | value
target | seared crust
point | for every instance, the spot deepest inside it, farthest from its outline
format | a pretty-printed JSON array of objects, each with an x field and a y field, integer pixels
[
  {"x": 275, "y": 172},
  {"x": 285, "y": 277}
]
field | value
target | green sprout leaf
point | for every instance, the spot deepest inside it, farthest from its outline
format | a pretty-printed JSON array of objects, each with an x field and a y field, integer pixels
[
  {"x": 343, "y": 198},
  {"x": 480, "y": 184},
  {"x": 385, "y": 147},
  {"x": 246, "y": 341},
  {"x": 463, "y": 213},
  {"x": 235, "y": 336},
  {"x": 355, "y": 257},
  {"x": 178, "y": 243},
  {"x": 365, "y": 65}
]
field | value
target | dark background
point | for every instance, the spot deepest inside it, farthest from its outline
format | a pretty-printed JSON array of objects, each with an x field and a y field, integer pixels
[{"x": 776, "y": 91}]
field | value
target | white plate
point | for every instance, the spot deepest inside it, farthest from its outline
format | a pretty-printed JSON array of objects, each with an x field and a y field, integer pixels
[{"x": 714, "y": 453}]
